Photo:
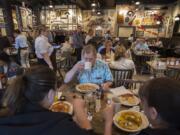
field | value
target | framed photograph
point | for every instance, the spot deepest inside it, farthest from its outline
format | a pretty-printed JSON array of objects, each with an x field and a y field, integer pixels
[
  {"x": 64, "y": 14},
  {"x": 139, "y": 33}
]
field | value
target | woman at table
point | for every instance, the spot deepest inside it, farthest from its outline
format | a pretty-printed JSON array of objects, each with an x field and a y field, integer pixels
[
  {"x": 121, "y": 60},
  {"x": 107, "y": 52},
  {"x": 43, "y": 49},
  {"x": 160, "y": 100},
  {"x": 29, "y": 98}
]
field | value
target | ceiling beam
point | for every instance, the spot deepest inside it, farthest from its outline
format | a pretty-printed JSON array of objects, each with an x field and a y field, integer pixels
[
  {"x": 83, "y": 4},
  {"x": 110, "y": 3}
]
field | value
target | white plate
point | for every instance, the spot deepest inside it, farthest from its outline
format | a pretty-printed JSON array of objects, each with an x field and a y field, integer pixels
[
  {"x": 64, "y": 102},
  {"x": 145, "y": 122},
  {"x": 126, "y": 103},
  {"x": 87, "y": 91}
]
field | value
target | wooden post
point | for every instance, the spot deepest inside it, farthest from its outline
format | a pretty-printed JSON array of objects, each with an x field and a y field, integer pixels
[
  {"x": 7, "y": 11},
  {"x": 19, "y": 18}
]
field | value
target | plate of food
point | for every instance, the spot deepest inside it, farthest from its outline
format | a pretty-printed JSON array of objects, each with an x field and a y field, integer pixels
[
  {"x": 62, "y": 106},
  {"x": 130, "y": 121},
  {"x": 87, "y": 87},
  {"x": 129, "y": 99}
]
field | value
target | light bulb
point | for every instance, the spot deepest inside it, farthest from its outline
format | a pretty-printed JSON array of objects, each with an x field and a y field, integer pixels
[
  {"x": 93, "y": 4},
  {"x": 137, "y": 3},
  {"x": 158, "y": 22}
]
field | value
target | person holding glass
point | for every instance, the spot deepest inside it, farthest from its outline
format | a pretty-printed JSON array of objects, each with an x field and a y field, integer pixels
[{"x": 90, "y": 70}]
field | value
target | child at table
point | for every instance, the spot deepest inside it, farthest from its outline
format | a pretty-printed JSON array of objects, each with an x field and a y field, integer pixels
[{"x": 160, "y": 100}]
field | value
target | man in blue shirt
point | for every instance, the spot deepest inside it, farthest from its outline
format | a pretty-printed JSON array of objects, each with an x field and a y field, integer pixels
[
  {"x": 141, "y": 46},
  {"x": 98, "y": 74},
  {"x": 22, "y": 46}
]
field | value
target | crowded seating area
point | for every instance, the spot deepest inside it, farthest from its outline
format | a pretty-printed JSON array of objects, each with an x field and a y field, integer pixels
[{"x": 89, "y": 67}]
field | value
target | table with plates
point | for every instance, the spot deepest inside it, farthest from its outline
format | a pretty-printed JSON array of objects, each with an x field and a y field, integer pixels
[
  {"x": 159, "y": 67},
  {"x": 97, "y": 119}
]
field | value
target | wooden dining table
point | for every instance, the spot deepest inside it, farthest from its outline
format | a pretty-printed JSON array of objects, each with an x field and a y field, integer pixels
[
  {"x": 97, "y": 120},
  {"x": 160, "y": 66}
]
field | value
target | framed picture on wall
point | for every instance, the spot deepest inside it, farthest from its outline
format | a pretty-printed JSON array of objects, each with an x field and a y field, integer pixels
[
  {"x": 64, "y": 14},
  {"x": 139, "y": 33}
]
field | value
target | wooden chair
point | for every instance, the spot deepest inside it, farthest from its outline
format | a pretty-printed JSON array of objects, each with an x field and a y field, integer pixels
[
  {"x": 119, "y": 74},
  {"x": 68, "y": 61},
  {"x": 140, "y": 62},
  {"x": 131, "y": 84},
  {"x": 59, "y": 62}
]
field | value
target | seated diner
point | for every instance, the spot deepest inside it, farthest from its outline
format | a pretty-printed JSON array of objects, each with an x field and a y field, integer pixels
[{"x": 90, "y": 70}]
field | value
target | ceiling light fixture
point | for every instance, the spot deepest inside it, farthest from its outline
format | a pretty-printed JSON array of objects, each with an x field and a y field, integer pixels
[
  {"x": 93, "y": 10},
  {"x": 50, "y": 4},
  {"x": 98, "y": 13},
  {"x": 93, "y": 4},
  {"x": 137, "y": 3}
]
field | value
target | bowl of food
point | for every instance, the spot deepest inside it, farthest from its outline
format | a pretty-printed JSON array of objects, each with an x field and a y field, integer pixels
[
  {"x": 130, "y": 121},
  {"x": 62, "y": 106},
  {"x": 129, "y": 99},
  {"x": 87, "y": 87}
]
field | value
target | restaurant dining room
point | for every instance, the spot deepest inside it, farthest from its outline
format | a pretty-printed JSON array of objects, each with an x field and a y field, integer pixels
[{"x": 89, "y": 67}]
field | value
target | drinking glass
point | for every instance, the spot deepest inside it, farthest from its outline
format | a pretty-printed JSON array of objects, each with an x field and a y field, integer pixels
[{"x": 90, "y": 103}]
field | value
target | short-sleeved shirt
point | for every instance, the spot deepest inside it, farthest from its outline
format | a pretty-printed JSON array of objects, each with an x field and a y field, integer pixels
[
  {"x": 42, "y": 46},
  {"x": 21, "y": 42},
  {"x": 100, "y": 73},
  {"x": 142, "y": 47}
]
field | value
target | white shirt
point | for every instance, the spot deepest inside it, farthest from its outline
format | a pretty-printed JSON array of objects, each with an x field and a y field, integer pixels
[
  {"x": 88, "y": 37},
  {"x": 123, "y": 63},
  {"x": 42, "y": 46}
]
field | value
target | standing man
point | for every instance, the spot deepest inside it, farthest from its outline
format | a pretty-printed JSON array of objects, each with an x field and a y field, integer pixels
[
  {"x": 43, "y": 49},
  {"x": 22, "y": 46},
  {"x": 78, "y": 42}
]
